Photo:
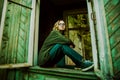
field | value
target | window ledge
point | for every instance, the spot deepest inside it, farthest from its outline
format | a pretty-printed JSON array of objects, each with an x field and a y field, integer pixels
[{"x": 69, "y": 73}]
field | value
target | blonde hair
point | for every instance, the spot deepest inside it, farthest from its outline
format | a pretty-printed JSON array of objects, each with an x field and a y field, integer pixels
[{"x": 55, "y": 27}]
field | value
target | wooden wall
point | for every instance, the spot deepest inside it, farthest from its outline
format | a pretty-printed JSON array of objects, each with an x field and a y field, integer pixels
[{"x": 112, "y": 10}]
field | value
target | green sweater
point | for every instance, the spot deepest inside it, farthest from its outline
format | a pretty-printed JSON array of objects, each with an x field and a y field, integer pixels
[{"x": 55, "y": 37}]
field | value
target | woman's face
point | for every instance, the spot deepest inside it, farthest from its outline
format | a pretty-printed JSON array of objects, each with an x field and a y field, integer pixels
[{"x": 61, "y": 25}]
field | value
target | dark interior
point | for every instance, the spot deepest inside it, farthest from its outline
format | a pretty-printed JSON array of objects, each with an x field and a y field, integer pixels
[{"x": 51, "y": 11}]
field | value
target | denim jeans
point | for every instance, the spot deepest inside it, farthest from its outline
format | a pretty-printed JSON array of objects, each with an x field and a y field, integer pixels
[{"x": 58, "y": 52}]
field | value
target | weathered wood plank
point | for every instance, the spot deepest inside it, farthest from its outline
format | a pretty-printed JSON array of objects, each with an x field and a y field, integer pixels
[
  {"x": 116, "y": 65},
  {"x": 27, "y": 3},
  {"x": 115, "y": 39},
  {"x": 38, "y": 73},
  {"x": 16, "y": 34},
  {"x": 116, "y": 53},
  {"x": 14, "y": 30},
  {"x": 111, "y": 5},
  {"x": 106, "y": 1},
  {"x": 5, "y": 38},
  {"x": 103, "y": 46},
  {"x": 113, "y": 14},
  {"x": 24, "y": 35},
  {"x": 112, "y": 27},
  {"x": 21, "y": 74},
  {"x": 112, "y": 9},
  {"x": 13, "y": 26},
  {"x": 36, "y": 76},
  {"x": 93, "y": 36},
  {"x": 18, "y": 26}
]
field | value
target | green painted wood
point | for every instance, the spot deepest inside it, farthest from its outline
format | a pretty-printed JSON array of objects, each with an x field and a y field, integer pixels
[
  {"x": 23, "y": 38},
  {"x": 115, "y": 39},
  {"x": 112, "y": 9},
  {"x": 103, "y": 46},
  {"x": 113, "y": 14},
  {"x": 115, "y": 25},
  {"x": 111, "y": 4},
  {"x": 116, "y": 66},
  {"x": 35, "y": 76},
  {"x": 106, "y": 1},
  {"x": 27, "y": 3},
  {"x": 38, "y": 73},
  {"x": 116, "y": 53},
  {"x": 21, "y": 74},
  {"x": 16, "y": 34},
  {"x": 65, "y": 74}
]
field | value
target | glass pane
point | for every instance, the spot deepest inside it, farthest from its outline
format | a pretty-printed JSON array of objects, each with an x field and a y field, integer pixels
[
  {"x": 79, "y": 33},
  {"x": 78, "y": 20}
]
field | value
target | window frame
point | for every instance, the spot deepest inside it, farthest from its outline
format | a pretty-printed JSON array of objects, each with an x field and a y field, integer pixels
[
  {"x": 31, "y": 37},
  {"x": 104, "y": 67}
]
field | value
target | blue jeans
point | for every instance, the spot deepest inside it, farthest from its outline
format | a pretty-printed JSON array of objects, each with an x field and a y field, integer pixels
[{"x": 58, "y": 52}]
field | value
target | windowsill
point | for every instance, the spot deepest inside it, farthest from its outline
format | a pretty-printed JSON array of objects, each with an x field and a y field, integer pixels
[{"x": 63, "y": 72}]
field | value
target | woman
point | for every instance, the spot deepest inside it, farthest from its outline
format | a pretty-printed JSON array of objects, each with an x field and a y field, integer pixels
[{"x": 56, "y": 46}]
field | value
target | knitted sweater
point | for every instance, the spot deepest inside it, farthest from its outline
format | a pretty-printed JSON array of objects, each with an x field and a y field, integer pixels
[{"x": 55, "y": 37}]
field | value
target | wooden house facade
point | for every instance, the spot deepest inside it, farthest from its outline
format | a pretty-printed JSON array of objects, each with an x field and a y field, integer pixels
[{"x": 24, "y": 24}]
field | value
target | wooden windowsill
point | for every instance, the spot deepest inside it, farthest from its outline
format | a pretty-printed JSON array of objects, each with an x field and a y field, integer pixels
[{"x": 63, "y": 72}]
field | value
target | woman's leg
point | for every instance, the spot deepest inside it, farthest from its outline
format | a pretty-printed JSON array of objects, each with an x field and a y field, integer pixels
[
  {"x": 77, "y": 58},
  {"x": 56, "y": 55},
  {"x": 59, "y": 51}
]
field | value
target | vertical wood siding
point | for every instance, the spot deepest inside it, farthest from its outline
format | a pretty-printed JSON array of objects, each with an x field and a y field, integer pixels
[
  {"x": 112, "y": 8},
  {"x": 16, "y": 32}
]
